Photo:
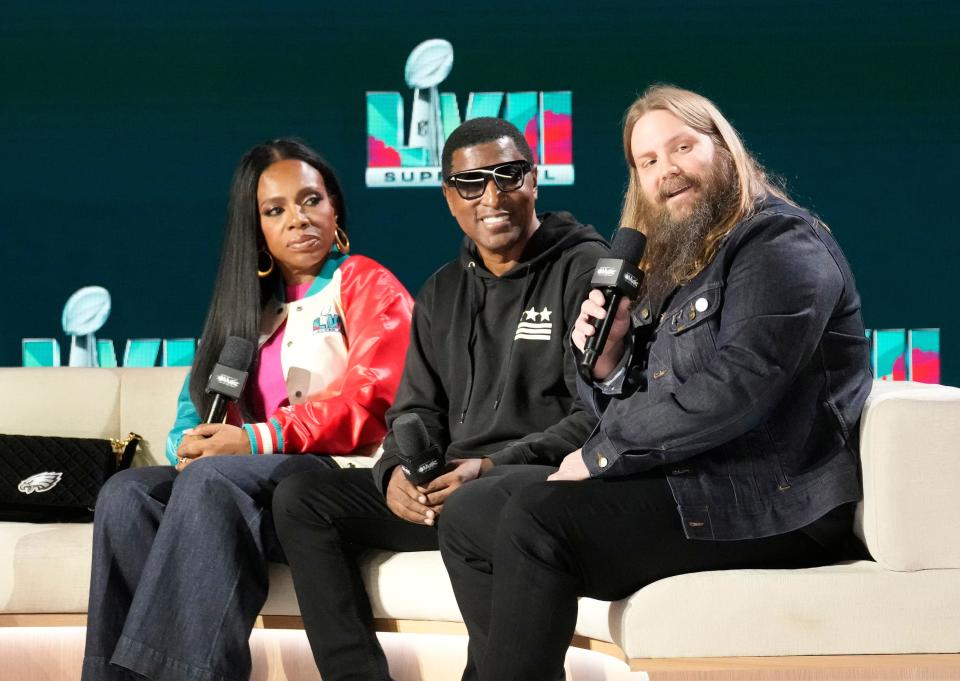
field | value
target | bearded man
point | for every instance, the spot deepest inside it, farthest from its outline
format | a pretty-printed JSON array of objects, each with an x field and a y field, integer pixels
[{"x": 729, "y": 399}]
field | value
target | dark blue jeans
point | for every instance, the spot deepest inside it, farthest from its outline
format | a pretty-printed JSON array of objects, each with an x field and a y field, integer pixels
[{"x": 180, "y": 568}]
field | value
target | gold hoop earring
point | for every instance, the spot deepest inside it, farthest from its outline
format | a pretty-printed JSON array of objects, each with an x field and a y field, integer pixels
[
  {"x": 343, "y": 241},
  {"x": 263, "y": 274}
]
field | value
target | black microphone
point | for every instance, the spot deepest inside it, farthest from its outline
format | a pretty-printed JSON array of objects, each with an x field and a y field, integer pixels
[
  {"x": 619, "y": 277},
  {"x": 228, "y": 377},
  {"x": 420, "y": 459}
]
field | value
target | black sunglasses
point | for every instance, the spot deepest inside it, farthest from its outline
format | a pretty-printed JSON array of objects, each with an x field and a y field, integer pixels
[{"x": 470, "y": 184}]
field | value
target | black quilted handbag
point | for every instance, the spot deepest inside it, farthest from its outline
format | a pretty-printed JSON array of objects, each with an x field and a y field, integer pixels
[{"x": 57, "y": 479}]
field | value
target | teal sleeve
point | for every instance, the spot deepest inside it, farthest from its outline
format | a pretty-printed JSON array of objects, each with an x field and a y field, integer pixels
[{"x": 187, "y": 417}]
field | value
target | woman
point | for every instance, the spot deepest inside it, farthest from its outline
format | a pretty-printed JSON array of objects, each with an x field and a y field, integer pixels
[{"x": 180, "y": 552}]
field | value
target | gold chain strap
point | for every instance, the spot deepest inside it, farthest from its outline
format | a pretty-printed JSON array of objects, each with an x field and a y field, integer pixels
[{"x": 120, "y": 446}]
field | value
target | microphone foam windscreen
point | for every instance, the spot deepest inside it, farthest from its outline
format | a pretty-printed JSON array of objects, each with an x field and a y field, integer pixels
[
  {"x": 411, "y": 434},
  {"x": 628, "y": 244},
  {"x": 236, "y": 354}
]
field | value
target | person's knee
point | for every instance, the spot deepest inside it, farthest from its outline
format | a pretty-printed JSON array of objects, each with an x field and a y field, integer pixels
[
  {"x": 465, "y": 508},
  {"x": 200, "y": 473},
  {"x": 124, "y": 493},
  {"x": 541, "y": 524},
  {"x": 207, "y": 487},
  {"x": 304, "y": 498},
  {"x": 117, "y": 493},
  {"x": 532, "y": 516},
  {"x": 290, "y": 493},
  {"x": 470, "y": 516},
  {"x": 458, "y": 509}
]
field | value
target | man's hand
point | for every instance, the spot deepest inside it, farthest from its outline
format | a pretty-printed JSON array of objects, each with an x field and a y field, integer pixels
[
  {"x": 406, "y": 501},
  {"x": 572, "y": 468},
  {"x": 211, "y": 439},
  {"x": 583, "y": 329},
  {"x": 441, "y": 487}
]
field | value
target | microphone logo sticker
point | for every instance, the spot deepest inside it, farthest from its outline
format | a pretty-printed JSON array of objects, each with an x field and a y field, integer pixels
[
  {"x": 426, "y": 466},
  {"x": 535, "y": 325},
  {"x": 228, "y": 381},
  {"x": 40, "y": 483}
]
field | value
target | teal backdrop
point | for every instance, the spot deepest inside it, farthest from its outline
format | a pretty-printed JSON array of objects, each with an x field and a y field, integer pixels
[{"x": 120, "y": 125}]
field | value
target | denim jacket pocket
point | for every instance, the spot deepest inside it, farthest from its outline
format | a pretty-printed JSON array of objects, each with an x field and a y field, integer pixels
[
  {"x": 692, "y": 327},
  {"x": 695, "y": 309}
]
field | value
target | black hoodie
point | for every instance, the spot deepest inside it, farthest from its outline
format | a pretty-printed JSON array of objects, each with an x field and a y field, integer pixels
[{"x": 489, "y": 368}]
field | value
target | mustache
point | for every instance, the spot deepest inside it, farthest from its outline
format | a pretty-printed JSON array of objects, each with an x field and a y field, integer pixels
[{"x": 676, "y": 183}]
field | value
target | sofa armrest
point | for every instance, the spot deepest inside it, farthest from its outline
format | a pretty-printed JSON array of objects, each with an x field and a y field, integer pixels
[{"x": 910, "y": 451}]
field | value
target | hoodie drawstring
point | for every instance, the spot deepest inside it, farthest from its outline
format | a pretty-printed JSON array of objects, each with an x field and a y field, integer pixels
[{"x": 474, "y": 307}]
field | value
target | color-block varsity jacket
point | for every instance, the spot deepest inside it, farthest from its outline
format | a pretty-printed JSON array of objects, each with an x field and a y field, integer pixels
[{"x": 342, "y": 356}]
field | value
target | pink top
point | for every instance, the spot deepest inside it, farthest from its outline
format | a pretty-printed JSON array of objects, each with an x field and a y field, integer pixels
[{"x": 270, "y": 387}]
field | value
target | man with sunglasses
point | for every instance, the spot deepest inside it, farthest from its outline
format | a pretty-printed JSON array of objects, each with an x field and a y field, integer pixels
[{"x": 487, "y": 372}]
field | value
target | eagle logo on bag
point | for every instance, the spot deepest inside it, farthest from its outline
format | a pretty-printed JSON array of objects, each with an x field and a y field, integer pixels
[{"x": 39, "y": 483}]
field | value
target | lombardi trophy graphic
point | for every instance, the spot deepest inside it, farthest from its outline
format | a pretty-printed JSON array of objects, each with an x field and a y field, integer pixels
[
  {"x": 84, "y": 314},
  {"x": 427, "y": 66}
]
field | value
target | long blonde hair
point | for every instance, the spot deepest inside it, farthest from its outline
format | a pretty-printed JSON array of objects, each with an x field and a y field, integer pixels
[{"x": 703, "y": 116}]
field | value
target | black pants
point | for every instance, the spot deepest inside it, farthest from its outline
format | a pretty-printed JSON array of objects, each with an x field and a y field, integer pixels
[
  {"x": 520, "y": 551},
  {"x": 323, "y": 519}
]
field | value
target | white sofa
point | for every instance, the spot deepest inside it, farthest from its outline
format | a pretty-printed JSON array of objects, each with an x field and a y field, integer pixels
[{"x": 899, "y": 611}]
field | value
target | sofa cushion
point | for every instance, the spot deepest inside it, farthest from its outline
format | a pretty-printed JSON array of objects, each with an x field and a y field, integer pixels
[
  {"x": 855, "y": 608},
  {"x": 60, "y": 401},
  {"x": 148, "y": 407},
  {"x": 910, "y": 449},
  {"x": 852, "y": 609},
  {"x": 44, "y": 568},
  {"x": 412, "y": 585}
]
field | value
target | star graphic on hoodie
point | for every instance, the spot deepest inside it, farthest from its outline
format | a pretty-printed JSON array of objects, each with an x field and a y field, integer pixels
[
  {"x": 545, "y": 314},
  {"x": 530, "y": 314}
]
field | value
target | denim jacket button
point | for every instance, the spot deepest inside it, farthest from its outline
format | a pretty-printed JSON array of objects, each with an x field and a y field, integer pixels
[
  {"x": 645, "y": 314},
  {"x": 701, "y": 305},
  {"x": 601, "y": 461}
]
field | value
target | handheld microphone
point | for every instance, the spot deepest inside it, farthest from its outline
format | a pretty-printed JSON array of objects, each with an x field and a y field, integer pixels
[
  {"x": 420, "y": 459},
  {"x": 618, "y": 276},
  {"x": 228, "y": 377}
]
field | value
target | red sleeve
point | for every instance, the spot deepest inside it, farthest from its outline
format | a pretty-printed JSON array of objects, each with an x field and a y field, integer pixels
[{"x": 377, "y": 310}]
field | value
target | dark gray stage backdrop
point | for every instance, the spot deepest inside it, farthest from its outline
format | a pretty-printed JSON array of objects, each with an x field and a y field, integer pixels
[{"x": 120, "y": 125}]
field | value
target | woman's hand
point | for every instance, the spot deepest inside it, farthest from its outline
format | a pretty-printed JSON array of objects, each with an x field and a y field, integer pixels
[{"x": 211, "y": 439}]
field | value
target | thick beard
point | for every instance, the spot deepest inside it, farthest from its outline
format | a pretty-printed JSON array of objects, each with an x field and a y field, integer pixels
[{"x": 675, "y": 244}]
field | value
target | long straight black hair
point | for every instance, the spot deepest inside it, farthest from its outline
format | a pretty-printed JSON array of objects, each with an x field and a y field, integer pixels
[{"x": 238, "y": 293}]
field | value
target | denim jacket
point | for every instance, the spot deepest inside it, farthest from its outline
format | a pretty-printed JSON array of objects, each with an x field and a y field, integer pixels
[{"x": 748, "y": 389}]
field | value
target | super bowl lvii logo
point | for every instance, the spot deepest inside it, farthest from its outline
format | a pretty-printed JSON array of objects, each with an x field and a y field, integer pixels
[{"x": 544, "y": 118}]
